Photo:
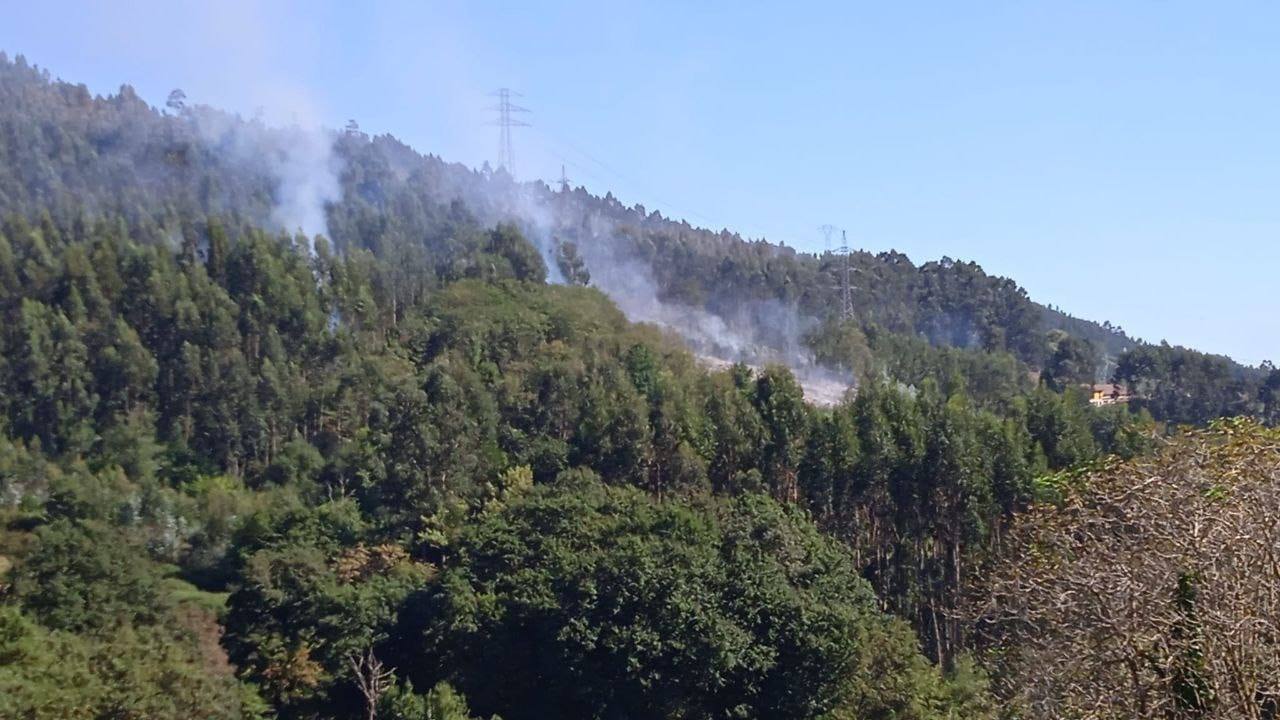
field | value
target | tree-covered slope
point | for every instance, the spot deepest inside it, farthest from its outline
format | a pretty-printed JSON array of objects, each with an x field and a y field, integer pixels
[
  {"x": 247, "y": 472},
  {"x": 72, "y": 155},
  {"x": 206, "y": 407},
  {"x": 65, "y": 151}
]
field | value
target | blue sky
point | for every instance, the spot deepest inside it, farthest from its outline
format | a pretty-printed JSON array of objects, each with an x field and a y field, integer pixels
[{"x": 1119, "y": 160}]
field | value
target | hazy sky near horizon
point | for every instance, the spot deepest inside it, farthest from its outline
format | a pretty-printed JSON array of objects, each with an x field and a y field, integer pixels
[{"x": 1119, "y": 160}]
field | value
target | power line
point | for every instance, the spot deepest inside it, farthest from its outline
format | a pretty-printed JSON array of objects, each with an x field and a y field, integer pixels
[
  {"x": 602, "y": 165},
  {"x": 637, "y": 188},
  {"x": 505, "y": 109}
]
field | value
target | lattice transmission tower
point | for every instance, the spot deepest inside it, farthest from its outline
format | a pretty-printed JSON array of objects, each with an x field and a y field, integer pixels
[
  {"x": 827, "y": 231},
  {"x": 845, "y": 286},
  {"x": 508, "y": 113}
]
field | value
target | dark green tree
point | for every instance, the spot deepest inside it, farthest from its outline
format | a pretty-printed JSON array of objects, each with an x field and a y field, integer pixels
[
  {"x": 85, "y": 576},
  {"x": 1072, "y": 361},
  {"x": 632, "y": 608}
]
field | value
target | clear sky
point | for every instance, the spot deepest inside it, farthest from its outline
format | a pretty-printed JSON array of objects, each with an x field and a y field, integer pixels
[{"x": 1118, "y": 159}]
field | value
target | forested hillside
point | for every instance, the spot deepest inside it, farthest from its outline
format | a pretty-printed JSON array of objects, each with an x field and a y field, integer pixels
[
  {"x": 391, "y": 471},
  {"x": 70, "y": 154},
  {"x": 191, "y": 407}
]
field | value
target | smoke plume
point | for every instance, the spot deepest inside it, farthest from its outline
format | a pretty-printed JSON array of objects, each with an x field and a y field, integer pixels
[
  {"x": 299, "y": 162},
  {"x": 755, "y": 332}
]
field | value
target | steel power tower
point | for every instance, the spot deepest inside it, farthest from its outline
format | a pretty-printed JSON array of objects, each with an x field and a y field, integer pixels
[
  {"x": 505, "y": 122},
  {"x": 827, "y": 231},
  {"x": 844, "y": 286},
  {"x": 846, "y": 290}
]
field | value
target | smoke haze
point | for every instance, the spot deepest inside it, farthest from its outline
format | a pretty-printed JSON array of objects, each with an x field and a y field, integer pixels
[
  {"x": 757, "y": 332},
  {"x": 298, "y": 159}
]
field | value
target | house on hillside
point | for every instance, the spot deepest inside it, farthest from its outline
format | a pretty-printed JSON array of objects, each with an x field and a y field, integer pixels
[{"x": 1108, "y": 394}]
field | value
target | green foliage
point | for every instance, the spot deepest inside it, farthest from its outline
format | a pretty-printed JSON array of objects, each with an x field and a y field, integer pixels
[
  {"x": 1269, "y": 395},
  {"x": 571, "y": 265},
  {"x": 1192, "y": 690},
  {"x": 841, "y": 344},
  {"x": 779, "y": 401},
  {"x": 1059, "y": 425},
  {"x": 1072, "y": 361},
  {"x": 200, "y": 418},
  {"x": 84, "y": 576},
  {"x": 1178, "y": 385},
  {"x": 145, "y": 672},
  {"x": 991, "y": 378},
  {"x": 419, "y": 211},
  {"x": 442, "y": 702},
  {"x": 518, "y": 258},
  {"x": 312, "y": 597},
  {"x": 285, "y": 412},
  {"x": 634, "y": 608}
]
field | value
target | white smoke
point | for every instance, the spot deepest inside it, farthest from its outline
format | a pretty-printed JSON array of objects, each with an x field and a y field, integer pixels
[
  {"x": 230, "y": 54},
  {"x": 538, "y": 222},
  {"x": 307, "y": 171},
  {"x": 299, "y": 160},
  {"x": 755, "y": 332}
]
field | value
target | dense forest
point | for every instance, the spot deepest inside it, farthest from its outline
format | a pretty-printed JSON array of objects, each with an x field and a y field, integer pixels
[
  {"x": 251, "y": 419},
  {"x": 69, "y": 154},
  {"x": 394, "y": 472}
]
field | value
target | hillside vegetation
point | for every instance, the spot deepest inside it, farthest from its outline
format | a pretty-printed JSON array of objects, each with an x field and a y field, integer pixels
[
  {"x": 69, "y": 154},
  {"x": 1149, "y": 588},
  {"x": 394, "y": 472}
]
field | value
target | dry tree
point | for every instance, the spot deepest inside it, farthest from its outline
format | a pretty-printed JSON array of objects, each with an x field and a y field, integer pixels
[
  {"x": 372, "y": 677},
  {"x": 1149, "y": 589}
]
